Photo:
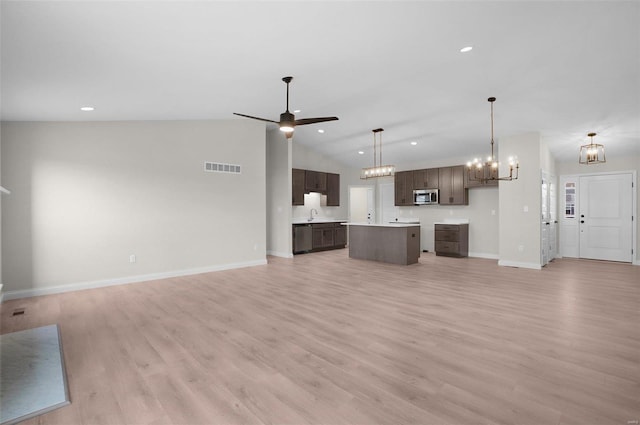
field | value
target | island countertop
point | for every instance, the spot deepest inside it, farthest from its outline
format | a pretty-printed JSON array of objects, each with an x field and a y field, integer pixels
[{"x": 383, "y": 224}]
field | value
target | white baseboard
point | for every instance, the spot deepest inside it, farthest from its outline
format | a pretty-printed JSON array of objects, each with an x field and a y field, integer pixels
[
  {"x": 484, "y": 255},
  {"x": 280, "y": 254},
  {"x": 34, "y": 292},
  {"x": 636, "y": 263},
  {"x": 519, "y": 265}
]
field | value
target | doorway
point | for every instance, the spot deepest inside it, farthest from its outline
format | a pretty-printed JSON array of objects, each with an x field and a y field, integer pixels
[
  {"x": 597, "y": 218},
  {"x": 362, "y": 204}
]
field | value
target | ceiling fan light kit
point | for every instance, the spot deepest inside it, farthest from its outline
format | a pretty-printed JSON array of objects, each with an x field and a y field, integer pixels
[
  {"x": 593, "y": 153},
  {"x": 484, "y": 171},
  {"x": 378, "y": 170},
  {"x": 288, "y": 120}
]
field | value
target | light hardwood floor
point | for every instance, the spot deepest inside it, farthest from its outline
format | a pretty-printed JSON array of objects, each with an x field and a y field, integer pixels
[{"x": 324, "y": 339}]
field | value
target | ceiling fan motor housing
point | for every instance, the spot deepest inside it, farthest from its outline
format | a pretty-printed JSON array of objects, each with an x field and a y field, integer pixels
[{"x": 287, "y": 121}]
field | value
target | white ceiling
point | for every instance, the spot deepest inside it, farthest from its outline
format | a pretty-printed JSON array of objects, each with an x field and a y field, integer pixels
[{"x": 561, "y": 68}]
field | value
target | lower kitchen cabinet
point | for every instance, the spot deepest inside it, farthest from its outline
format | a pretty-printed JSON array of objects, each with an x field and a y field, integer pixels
[
  {"x": 452, "y": 240},
  {"x": 323, "y": 236},
  {"x": 318, "y": 237}
]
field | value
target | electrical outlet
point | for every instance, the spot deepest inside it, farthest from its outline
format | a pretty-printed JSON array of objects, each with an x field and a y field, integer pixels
[{"x": 132, "y": 258}]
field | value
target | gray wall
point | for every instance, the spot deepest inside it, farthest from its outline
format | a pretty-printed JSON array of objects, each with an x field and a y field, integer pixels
[
  {"x": 86, "y": 196},
  {"x": 278, "y": 195},
  {"x": 520, "y": 203}
]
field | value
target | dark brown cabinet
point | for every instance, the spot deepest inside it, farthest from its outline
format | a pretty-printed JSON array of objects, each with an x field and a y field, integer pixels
[
  {"x": 323, "y": 235},
  {"x": 297, "y": 192},
  {"x": 333, "y": 190},
  {"x": 403, "y": 186},
  {"x": 340, "y": 239},
  {"x": 306, "y": 181},
  {"x": 452, "y": 240},
  {"x": 318, "y": 237},
  {"x": 426, "y": 179},
  {"x": 315, "y": 181},
  {"x": 451, "y": 185}
]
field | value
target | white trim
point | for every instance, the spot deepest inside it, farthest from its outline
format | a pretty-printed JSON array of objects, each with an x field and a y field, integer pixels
[
  {"x": 484, "y": 255},
  {"x": 280, "y": 254},
  {"x": 520, "y": 265},
  {"x": 1, "y": 293},
  {"x": 34, "y": 292},
  {"x": 636, "y": 263}
]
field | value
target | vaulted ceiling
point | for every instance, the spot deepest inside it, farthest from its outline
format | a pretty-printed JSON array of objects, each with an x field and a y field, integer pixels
[{"x": 561, "y": 68}]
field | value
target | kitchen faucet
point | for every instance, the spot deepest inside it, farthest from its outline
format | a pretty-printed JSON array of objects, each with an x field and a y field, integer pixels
[{"x": 311, "y": 213}]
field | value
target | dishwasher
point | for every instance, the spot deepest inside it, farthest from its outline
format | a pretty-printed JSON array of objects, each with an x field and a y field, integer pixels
[{"x": 302, "y": 238}]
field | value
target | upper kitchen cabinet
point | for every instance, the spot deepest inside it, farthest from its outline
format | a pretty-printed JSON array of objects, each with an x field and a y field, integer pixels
[
  {"x": 297, "y": 192},
  {"x": 315, "y": 181},
  {"x": 452, "y": 186},
  {"x": 426, "y": 179},
  {"x": 403, "y": 186},
  {"x": 305, "y": 181},
  {"x": 333, "y": 190}
]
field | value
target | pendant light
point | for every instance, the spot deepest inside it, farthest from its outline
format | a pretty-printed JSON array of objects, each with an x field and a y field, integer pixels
[
  {"x": 593, "y": 153},
  {"x": 482, "y": 172},
  {"x": 378, "y": 170}
]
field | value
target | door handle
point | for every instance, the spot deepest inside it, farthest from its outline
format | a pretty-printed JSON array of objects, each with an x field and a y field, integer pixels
[{"x": 581, "y": 221}]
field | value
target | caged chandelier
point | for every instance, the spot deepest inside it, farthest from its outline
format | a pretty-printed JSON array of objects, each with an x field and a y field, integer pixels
[
  {"x": 593, "y": 153},
  {"x": 378, "y": 170},
  {"x": 486, "y": 171}
]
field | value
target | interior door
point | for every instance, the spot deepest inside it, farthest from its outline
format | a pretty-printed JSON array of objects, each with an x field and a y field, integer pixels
[
  {"x": 544, "y": 217},
  {"x": 362, "y": 208},
  {"x": 606, "y": 217},
  {"x": 553, "y": 218}
]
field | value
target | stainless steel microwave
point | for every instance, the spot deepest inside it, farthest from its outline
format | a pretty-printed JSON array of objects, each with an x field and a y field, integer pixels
[{"x": 425, "y": 197}]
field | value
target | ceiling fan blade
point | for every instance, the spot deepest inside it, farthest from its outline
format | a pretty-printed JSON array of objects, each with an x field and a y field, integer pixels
[
  {"x": 255, "y": 118},
  {"x": 304, "y": 121}
]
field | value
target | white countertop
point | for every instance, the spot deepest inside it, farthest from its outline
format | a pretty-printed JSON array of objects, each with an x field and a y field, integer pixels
[
  {"x": 316, "y": 220},
  {"x": 383, "y": 224},
  {"x": 453, "y": 221}
]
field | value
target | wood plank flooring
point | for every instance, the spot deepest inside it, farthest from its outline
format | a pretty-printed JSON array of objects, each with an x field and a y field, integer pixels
[{"x": 324, "y": 339}]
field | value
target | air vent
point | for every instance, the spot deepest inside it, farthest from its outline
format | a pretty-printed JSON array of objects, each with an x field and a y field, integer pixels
[{"x": 217, "y": 167}]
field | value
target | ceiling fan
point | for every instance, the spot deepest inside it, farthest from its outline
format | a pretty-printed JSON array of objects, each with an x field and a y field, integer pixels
[{"x": 288, "y": 121}]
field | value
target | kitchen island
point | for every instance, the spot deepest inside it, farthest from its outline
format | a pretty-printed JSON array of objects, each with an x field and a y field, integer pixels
[{"x": 396, "y": 243}]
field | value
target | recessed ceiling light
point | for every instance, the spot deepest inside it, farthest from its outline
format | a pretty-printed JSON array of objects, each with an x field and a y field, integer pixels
[
  {"x": 414, "y": 143},
  {"x": 320, "y": 130},
  {"x": 466, "y": 49},
  {"x": 295, "y": 111},
  {"x": 360, "y": 153},
  {"x": 87, "y": 108}
]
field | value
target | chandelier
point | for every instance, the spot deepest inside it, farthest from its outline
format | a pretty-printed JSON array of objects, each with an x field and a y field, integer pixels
[
  {"x": 480, "y": 171},
  {"x": 593, "y": 153},
  {"x": 378, "y": 170}
]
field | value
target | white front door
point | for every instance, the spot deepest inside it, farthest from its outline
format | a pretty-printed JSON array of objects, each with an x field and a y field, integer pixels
[{"x": 605, "y": 217}]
